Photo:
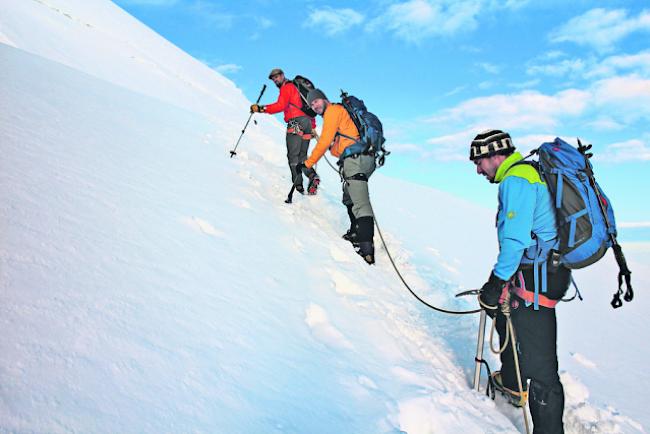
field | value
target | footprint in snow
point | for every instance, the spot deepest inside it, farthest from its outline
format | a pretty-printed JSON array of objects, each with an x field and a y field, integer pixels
[
  {"x": 584, "y": 361},
  {"x": 345, "y": 285},
  {"x": 242, "y": 203},
  {"x": 317, "y": 320},
  {"x": 298, "y": 245},
  {"x": 340, "y": 255},
  {"x": 202, "y": 226},
  {"x": 248, "y": 176}
]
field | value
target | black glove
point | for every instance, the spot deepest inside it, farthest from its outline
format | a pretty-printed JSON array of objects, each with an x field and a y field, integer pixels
[
  {"x": 490, "y": 293},
  {"x": 300, "y": 167},
  {"x": 256, "y": 108}
]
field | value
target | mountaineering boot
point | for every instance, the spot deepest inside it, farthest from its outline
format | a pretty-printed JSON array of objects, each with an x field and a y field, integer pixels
[
  {"x": 367, "y": 251},
  {"x": 547, "y": 406},
  {"x": 313, "y": 184},
  {"x": 365, "y": 234},
  {"x": 514, "y": 398},
  {"x": 300, "y": 189},
  {"x": 351, "y": 236}
]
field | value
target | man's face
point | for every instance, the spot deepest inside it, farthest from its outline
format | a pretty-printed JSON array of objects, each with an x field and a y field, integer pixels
[
  {"x": 488, "y": 166},
  {"x": 318, "y": 105},
  {"x": 278, "y": 79}
]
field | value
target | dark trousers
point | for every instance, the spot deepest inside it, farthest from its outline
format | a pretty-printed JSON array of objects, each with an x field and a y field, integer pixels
[
  {"x": 297, "y": 147},
  {"x": 536, "y": 333}
]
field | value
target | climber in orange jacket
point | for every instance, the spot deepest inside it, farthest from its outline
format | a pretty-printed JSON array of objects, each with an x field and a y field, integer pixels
[
  {"x": 299, "y": 128},
  {"x": 339, "y": 133}
]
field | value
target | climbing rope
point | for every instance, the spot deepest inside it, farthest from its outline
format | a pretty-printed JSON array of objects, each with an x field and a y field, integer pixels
[
  {"x": 399, "y": 274},
  {"x": 406, "y": 285},
  {"x": 512, "y": 338}
]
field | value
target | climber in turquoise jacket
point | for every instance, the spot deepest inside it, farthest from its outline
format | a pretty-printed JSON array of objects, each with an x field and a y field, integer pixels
[{"x": 526, "y": 231}]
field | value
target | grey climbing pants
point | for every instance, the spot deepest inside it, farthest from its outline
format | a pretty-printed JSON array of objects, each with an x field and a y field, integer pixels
[
  {"x": 297, "y": 146},
  {"x": 356, "y": 171}
]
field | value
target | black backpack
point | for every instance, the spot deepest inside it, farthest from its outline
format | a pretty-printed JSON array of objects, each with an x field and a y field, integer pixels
[{"x": 304, "y": 85}]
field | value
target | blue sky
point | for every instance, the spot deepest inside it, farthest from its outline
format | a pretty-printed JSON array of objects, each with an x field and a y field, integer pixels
[{"x": 437, "y": 72}]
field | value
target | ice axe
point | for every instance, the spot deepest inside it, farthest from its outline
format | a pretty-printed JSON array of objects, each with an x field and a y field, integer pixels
[
  {"x": 233, "y": 153},
  {"x": 480, "y": 340}
]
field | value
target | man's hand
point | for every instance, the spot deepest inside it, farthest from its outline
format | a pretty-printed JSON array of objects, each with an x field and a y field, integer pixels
[
  {"x": 257, "y": 108},
  {"x": 490, "y": 294},
  {"x": 300, "y": 167}
]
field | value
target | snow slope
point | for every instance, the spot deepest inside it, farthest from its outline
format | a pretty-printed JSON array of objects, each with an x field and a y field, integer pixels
[{"x": 149, "y": 283}]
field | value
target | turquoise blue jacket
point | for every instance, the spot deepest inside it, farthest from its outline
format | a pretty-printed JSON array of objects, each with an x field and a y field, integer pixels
[{"x": 525, "y": 208}]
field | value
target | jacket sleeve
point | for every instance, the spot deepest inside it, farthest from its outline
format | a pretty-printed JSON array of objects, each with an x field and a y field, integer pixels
[
  {"x": 281, "y": 103},
  {"x": 331, "y": 121},
  {"x": 517, "y": 198}
]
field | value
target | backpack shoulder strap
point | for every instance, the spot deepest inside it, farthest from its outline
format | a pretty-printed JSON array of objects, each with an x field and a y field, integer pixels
[
  {"x": 353, "y": 121},
  {"x": 527, "y": 170}
]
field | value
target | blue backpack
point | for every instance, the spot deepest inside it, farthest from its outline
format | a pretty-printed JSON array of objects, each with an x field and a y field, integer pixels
[
  {"x": 586, "y": 225},
  {"x": 370, "y": 130}
]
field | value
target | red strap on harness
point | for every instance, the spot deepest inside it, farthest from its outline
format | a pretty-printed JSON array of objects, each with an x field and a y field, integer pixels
[
  {"x": 529, "y": 297},
  {"x": 524, "y": 294}
]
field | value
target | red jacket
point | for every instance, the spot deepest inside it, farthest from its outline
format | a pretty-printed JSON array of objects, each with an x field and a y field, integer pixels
[{"x": 289, "y": 101}]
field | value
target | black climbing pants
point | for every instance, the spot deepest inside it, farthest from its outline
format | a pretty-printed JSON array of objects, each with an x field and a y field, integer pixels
[{"x": 536, "y": 332}]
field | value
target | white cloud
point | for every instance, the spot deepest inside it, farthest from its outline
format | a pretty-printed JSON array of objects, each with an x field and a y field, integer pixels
[
  {"x": 601, "y": 28},
  {"x": 630, "y": 150},
  {"x": 264, "y": 22},
  {"x": 605, "y": 123},
  {"x": 511, "y": 4},
  {"x": 485, "y": 85},
  {"x": 456, "y": 90},
  {"x": 552, "y": 55},
  {"x": 416, "y": 20},
  {"x": 149, "y": 2},
  {"x": 227, "y": 68},
  {"x": 489, "y": 67},
  {"x": 564, "y": 67},
  {"x": 609, "y": 104},
  {"x": 525, "y": 143},
  {"x": 624, "y": 98},
  {"x": 638, "y": 63},
  {"x": 455, "y": 146},
  {"x": 633, "y": 224},
  {"x": 524, "y": 110},
  {"x": 525, "y": 84},
  {"x": 406, "y": 148},
  {"x": 333, "y": 21},
  {"x": 451, "y": 147}
]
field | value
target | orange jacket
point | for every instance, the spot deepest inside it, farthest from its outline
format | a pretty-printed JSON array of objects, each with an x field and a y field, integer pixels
[
  {"x": 335, "y": 120},
  {"x": 289, "y": 101}
]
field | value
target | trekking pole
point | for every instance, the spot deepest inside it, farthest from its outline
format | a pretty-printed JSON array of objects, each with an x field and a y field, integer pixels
[
  {"x": 233, "y": 153},
  {"x": 479, "y": 350}
]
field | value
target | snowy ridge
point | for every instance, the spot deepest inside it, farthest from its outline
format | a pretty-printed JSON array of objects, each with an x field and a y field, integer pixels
[{"x": 149, "y": 283}]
